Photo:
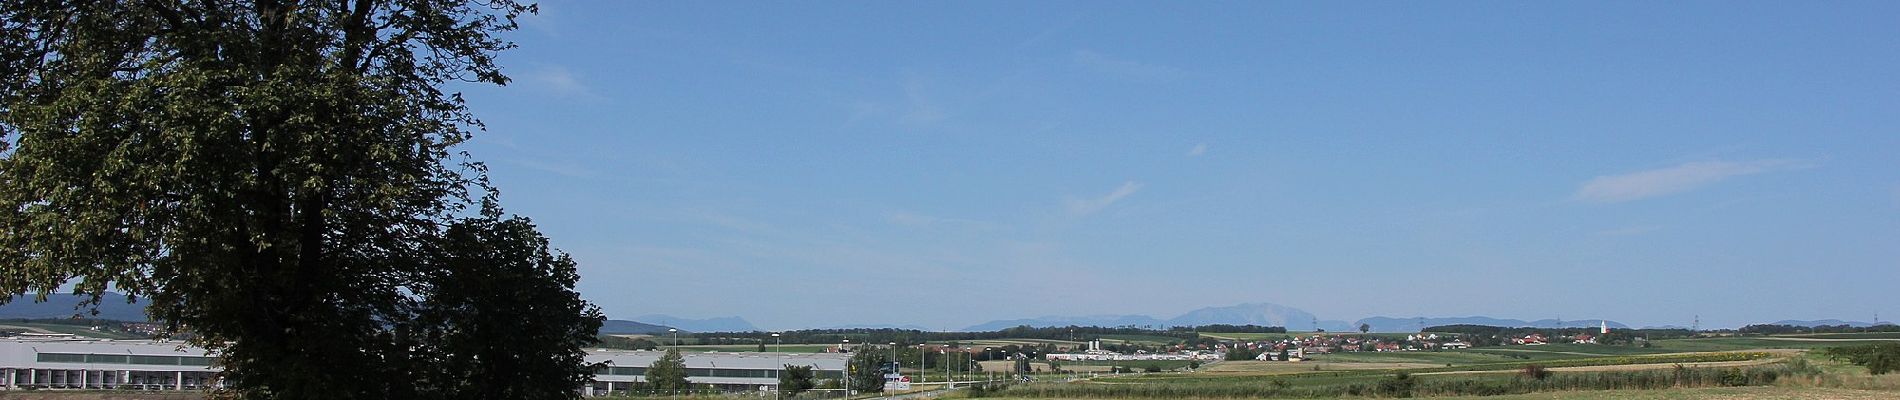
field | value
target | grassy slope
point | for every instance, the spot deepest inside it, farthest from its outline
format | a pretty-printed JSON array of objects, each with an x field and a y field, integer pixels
[
  {"x": 753, "y": 348},
  {"x": 70, "y": 329},
  {"x": 1754, "y": 392}
]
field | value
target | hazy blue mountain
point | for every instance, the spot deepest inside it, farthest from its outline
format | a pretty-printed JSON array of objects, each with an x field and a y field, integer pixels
[
  {"x": 718, "y": 324},
  {"x": 878, "y": 326},
  {"x": 1390, "y": 324},
  {"x": 1819, "y": 322},
  {"x": 625, "y": 327},
  {"x": 1335, "y": 326},
  {"x": 1263, "y": 314},
  {"x": 1088, "y": 320},
  {"x": 113, "y": 306}
]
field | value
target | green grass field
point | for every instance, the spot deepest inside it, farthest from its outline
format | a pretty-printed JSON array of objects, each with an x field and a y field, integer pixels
[
  {"x": 1246, "y": 336},
  {"x": 1141, "y": 339},
  {"x": 1770, "y": 367},
  {"x": 753, "y": 348},
  {"x": 68, "y": 329},
  {"x": 1869, "y": 335}
]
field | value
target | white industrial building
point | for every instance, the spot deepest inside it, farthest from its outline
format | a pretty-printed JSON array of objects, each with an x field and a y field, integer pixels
[
  {"x": 1095, "y": 353},
  {"x": 57, "y": 363},
  {"x": 73, "y": 363},
  {"x": 725, "y": 371}
]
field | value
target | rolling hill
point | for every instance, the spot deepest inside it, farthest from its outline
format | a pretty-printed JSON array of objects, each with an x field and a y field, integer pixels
[{"x": 113, "y": 306}]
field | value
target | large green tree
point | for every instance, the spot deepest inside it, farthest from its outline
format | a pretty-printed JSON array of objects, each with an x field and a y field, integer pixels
[
  {"x": 501, "y": 320},
  {"x": 866, "y": 369},
  {"x": 795, "y": 379},
  {"x": 278, "y": 178},
  {"x": 668, "y": 373}
]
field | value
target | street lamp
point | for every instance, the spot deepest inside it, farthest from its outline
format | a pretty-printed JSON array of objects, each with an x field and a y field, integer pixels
[
  {"x": 778, "y": 347},
  {"x": 676, "y": 337},
  {"x": 843, "y": 348},
  {"x": 896, "y": 368}
]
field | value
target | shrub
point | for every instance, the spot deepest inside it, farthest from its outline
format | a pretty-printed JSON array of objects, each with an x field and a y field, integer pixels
[
  {"x": 1878, "y": 358},
  {"x": 1399, "y": 385},
  {"x": 1534, "y": 372}
]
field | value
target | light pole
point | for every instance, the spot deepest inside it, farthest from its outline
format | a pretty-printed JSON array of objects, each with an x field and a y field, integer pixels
[
  {"x": 676, "y": 337},
  {"x": 777, "y": 347},
  {"x": 843, "y": 347},
  {"x": 896, "y": 367}
]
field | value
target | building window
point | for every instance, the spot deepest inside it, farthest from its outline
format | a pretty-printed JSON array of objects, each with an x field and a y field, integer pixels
[
  {"x": 62, "y": 358},
  {"x": 107, "y": 358},
  {"x": 155, "y": 360}
]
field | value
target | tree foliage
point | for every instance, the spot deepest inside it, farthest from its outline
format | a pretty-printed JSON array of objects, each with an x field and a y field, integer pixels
[
  {"x": 491, "y": 273},
  {"x": 278, "y": 178},
  {"x": 866, "y": 369},
  {"x": 795, "y": 379},
  {"x": 1240, "y": 353},
  {"x": 1879, "y": 358},
  {"x": 668, "y": 372}
]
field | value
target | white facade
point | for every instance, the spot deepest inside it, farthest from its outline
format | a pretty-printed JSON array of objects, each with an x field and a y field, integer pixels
[
  {"x": 743, "y": 371},
  {"x": 1110, "y": 356},
  {"x": 69, "y": 363},
  {"x": 103, "y": 364}
]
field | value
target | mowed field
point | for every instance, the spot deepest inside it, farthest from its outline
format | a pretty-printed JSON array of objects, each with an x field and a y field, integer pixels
[
  {"x": 753, "y": 348},
  {"x": 1766, "y": 367},
  {"x": 67, "y": 329}
]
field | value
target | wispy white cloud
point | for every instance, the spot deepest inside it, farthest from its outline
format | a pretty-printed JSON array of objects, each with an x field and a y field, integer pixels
[
  {"x": 1665, "y": 181},
  {"x": 923, "y": 109},
  {"x": 564, "y": 168},
  {"x": 1124, "y": 68},
  {"x": 556, "y": 80},
  {"x": 1081, "y": 207},
  {"x": 1198, "y": 150}
]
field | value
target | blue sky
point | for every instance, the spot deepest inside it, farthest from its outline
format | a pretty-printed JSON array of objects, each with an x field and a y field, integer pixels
[{"x": 948, "y": 163}]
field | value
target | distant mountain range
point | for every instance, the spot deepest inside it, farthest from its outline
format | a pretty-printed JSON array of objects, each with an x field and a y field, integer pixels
[
  {"x": 112, "y": 306},
  {"x": 1269, "y": 314},
  {"x": 718, "y": 324},
  {"x": 1390, "y": 324},
  {"x": 878, "y": 326},
  {"x": 1055, "y": 320},
  {"x": 1820, "y": 322},
  {"x": 1263, "y": 314},
  {"x": 625, "y": 327},
  {"x": 115, "y": 307}
]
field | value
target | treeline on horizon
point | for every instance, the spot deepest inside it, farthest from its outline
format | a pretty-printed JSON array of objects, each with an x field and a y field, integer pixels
[
  {"x": 1774, "y": 329},
  {"x": 915, "y": 336},
  {"x": 878, "y": 336},
  {"x": 1488, "y": 330},
  {"x": 1486, "y": 335}
]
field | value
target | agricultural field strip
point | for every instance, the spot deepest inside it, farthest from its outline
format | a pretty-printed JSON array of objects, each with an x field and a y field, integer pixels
[
  {"x": 1626, "y": 367},
  {"x": 1486, "y": 350},
  {"x": 1841, "y": 340},
  {"x": 1575, "y": 362}
]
